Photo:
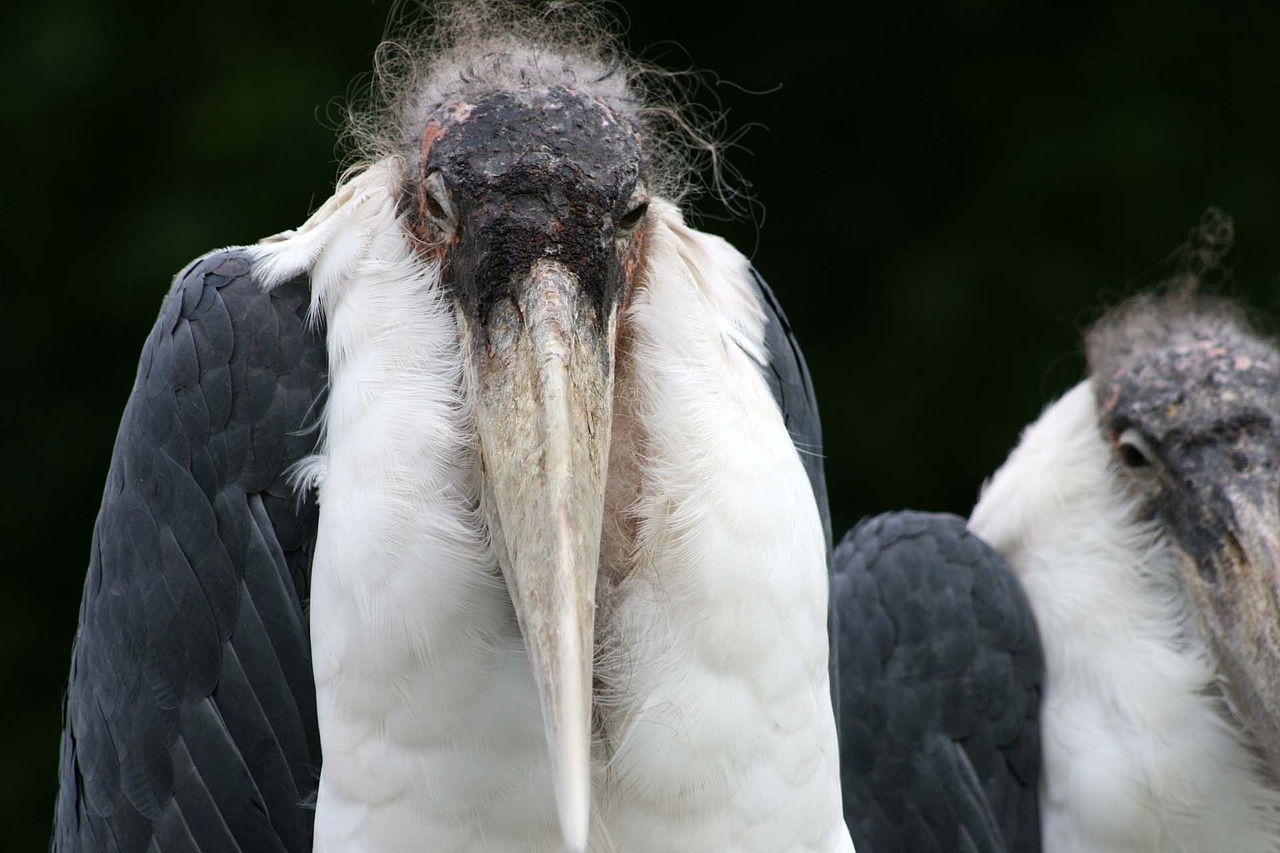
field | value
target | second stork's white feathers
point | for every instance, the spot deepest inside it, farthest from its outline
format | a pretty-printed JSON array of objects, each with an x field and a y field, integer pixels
[
  {"x": 1140, "y": 753},
  {"x": 714, "y": 714}
]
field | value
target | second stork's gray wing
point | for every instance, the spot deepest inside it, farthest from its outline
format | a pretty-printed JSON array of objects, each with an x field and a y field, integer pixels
[
  {"x": 190, "y": 719},
  {"x": 938, "y": 684}
]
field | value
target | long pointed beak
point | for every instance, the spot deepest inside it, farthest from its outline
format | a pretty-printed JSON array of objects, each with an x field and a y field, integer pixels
[
  {"x": 542, "y": 371},
  {"x": 1237, "y": 586}
]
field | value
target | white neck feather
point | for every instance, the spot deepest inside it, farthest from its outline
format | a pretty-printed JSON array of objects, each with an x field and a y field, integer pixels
[
  {"x": 1139, "y": 752},
  {"x": 721, "y": 735}
]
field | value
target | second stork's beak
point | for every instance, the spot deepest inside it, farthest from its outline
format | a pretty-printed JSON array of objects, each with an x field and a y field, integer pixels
[
  {"x": 1234, "y": 576},
  {"x": 541, "y": 366}
]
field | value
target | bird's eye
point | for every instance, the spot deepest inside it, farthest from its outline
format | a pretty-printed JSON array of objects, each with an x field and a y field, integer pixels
[
  {"x": 435, "y": 199},
  {"x": 632, "y": 217},
  {"x": 1133, "y": 450}
]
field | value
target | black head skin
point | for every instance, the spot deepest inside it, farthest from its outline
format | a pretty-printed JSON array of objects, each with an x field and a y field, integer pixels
[
  {"x": 1189, "y": 398},
  {"x": 517, "y": 176}
]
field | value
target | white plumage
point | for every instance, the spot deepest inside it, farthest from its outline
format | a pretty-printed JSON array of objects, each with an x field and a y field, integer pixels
[
  {"x": 717, "y": 725},
  {"x": 1140, "y": 751},
  {"x": 720, "y": 612}
]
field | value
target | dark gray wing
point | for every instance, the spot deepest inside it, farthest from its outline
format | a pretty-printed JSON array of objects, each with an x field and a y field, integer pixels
[
  {"x": 190, "y": 718},
  {"x": 788, "y": 378},
  {"x": 939, "y": 688}
]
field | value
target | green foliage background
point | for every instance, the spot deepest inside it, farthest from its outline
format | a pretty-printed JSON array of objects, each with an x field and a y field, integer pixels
[{"x": 950, "y": 192}]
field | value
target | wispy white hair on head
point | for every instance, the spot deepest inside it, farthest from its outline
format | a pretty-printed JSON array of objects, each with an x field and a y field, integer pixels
[{"x": 464, "y": 49}]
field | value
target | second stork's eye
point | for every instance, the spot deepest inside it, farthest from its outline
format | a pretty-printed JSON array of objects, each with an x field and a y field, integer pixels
[
  {"x": 632, "y": 217},
  {"x": 1133, "y": 450}
]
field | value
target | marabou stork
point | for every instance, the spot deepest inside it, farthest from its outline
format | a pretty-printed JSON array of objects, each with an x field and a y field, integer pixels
[
  {"x": 1140, "y": 515},
  {"x": 494, "y": 482}
]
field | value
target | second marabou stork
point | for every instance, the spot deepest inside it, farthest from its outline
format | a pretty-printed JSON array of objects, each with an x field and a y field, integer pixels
[
  {"x": 1141, "y": 513},
  {"x": 1140, "y": 519},
  {"x": 495, "y": 484}
]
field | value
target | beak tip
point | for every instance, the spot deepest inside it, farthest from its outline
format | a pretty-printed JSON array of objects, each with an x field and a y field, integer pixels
[
  {"x": 574, "y": 819},
  {"x": 571, "y": 763}
]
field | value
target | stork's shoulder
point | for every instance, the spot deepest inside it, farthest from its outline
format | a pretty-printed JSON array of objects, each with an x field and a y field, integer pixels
[
  {"x": 251, "y": 351},
  {"x": 748, "y": 317},
  {"x": 939, "y": 681}
]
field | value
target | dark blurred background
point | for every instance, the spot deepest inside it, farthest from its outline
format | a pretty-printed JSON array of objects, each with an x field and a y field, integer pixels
[{"x": 947, "y": 195}]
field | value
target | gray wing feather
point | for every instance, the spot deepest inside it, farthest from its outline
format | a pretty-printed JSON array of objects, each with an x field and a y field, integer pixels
[
  {"x": 189, "y": 718},
  {"x": 788, "y": 378},
  {"x": 939, "y": 688}
]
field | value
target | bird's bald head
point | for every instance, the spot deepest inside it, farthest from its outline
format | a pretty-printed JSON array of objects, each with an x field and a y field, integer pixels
[
  {"x": 518, "y": 175},
  {"x": 1182, "y": 372}
]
